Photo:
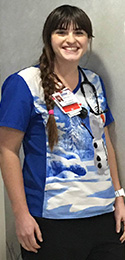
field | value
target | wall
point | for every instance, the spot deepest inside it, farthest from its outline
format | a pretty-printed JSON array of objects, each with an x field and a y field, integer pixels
[{"x": 20, "y": 41}]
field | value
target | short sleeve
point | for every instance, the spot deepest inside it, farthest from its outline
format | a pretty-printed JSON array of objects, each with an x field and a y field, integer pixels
[
  {"x": 16, "y": 103},
  {"x": 109, "y": 116}
]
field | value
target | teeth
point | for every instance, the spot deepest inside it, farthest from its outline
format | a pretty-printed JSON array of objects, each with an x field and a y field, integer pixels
[{"x": 71, "y": 48}]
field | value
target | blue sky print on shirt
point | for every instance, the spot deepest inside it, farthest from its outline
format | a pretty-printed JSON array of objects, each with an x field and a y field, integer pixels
[
  {"x": 72, "y": 178},
  {"x": 73, "y": 186}
]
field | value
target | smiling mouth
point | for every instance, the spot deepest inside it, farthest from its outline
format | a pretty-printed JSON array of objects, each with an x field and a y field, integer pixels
[{"x": 67, "y": 48}]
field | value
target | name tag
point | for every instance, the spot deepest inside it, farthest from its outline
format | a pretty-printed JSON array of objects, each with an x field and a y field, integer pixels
[{"x": 67, "y": 102}]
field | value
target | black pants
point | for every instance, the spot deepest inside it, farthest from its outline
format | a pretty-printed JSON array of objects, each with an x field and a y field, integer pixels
[{"x": 79, "y": 239}]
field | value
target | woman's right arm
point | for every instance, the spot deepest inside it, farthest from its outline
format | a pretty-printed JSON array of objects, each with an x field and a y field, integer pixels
[{"x": 26, "y": 226}]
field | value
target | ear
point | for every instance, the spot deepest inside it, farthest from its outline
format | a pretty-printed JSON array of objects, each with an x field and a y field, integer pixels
[
  {"x": 90, "y": 40},
  {"x": 90, "y": 44}
]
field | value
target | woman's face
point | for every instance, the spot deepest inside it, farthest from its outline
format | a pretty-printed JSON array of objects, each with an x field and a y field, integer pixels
[{"x": 69, "y": 44}]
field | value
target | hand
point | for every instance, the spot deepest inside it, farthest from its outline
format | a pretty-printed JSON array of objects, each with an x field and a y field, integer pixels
[
  {"x": 120, "y": 216},
  {"x": 26, "y": 229}
]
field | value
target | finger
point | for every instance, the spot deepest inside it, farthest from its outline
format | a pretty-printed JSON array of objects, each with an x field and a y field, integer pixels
[
  {"x": 33, "y": 242},
  {"x": 118, "y": 225},
  {"x": 25, "y": 243},
  {"x": 24, "y": 246},
  {"x": 38, "y": 233},
  {"x": 122, "y": 238}
]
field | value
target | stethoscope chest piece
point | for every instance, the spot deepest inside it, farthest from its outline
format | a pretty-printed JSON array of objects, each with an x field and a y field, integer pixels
[{"x": 83, "y": 114}]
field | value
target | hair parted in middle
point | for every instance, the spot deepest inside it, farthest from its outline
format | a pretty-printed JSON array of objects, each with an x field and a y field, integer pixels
[{"x": 59, "y": 18}]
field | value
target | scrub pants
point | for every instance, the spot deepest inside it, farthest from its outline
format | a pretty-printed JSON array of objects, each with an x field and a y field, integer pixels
[{"x": 91, "y": 238}]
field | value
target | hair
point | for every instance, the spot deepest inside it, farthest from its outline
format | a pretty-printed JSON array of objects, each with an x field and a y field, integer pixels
[{"x": 61, "y": 17}]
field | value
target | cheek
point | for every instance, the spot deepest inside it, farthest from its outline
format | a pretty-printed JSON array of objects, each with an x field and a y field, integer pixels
[
  {"x": 85, "y": 45},
  {"x": 54, "y": 42}
]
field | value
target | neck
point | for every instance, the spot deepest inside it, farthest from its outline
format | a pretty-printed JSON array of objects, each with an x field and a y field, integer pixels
[{"x": 68, "y": 73}]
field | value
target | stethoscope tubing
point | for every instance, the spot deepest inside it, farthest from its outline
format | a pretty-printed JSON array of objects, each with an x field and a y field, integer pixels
[{"x": 87, "y": 82}]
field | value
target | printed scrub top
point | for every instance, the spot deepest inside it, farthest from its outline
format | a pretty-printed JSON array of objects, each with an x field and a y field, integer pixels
[{"x": 74, "y": 180}]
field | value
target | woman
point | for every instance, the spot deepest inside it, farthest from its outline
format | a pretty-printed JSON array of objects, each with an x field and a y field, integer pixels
[{"x": 64, "y": 202}]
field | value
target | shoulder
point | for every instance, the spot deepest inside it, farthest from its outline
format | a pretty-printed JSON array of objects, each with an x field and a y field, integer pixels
[
  {"x": 27, "y": 79},
  {"x": 33, "y": 80},
  {"x": 94, "y": 78},
  {"x": 30, "y": 74},
  {"x": 17, "y": 85},
  {"x": 91, "y": 75}
]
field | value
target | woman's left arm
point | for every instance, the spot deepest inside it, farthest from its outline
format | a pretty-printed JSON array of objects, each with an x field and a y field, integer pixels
[{"x": 119, "y": 201}]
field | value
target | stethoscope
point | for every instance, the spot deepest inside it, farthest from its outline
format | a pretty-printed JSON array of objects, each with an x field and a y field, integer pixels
[
  {"x": 84, "y": 88},
  {"x": 89, "y": 92},
  {"x": 86, "y": 83}
]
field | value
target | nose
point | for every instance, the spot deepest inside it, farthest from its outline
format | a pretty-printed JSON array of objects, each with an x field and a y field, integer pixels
[{"x": 71, "y": 38}]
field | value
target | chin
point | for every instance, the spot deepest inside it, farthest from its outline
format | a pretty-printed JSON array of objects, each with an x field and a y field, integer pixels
[{"x": 71, "y": 58}]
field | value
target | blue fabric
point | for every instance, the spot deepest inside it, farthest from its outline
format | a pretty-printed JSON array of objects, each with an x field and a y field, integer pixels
[
  {"x": 65, "y": 183},
  {"x": 16, "y": 104},
  {"x": 17, "y": 111},
  {"x": 109, "y": 116}
]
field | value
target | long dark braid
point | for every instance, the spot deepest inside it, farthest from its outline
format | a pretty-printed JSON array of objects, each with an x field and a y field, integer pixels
[{"x": 48, "y": 84}]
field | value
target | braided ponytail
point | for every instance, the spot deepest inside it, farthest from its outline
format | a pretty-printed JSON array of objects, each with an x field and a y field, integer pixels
[{"x": 48, "y": 83}]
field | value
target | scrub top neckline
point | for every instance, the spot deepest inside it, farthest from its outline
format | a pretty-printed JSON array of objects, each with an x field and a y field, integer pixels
[{"x": 79, "y": 83}]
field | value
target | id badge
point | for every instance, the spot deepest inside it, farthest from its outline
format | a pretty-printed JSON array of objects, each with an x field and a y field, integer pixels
[{"x": 67, "y": 102}]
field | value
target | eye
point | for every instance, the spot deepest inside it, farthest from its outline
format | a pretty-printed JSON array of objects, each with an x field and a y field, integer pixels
[
  {"x": 61, "y": 31},
  {"x": 80, "y": 32}
]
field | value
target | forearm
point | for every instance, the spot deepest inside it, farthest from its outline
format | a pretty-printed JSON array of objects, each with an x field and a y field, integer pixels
[
  {"x": 114, "y": 174},
  {"x": 119, "y": 202},
  {"x": 113, "y": 168},
  {"x": 26, "y": 226},
  {"x": 112, "y": 162},
  {"x": 13, "y": 179}
]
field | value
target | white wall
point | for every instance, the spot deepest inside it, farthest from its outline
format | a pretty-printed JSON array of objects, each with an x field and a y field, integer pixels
[{"x": 20, "y": 41}]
